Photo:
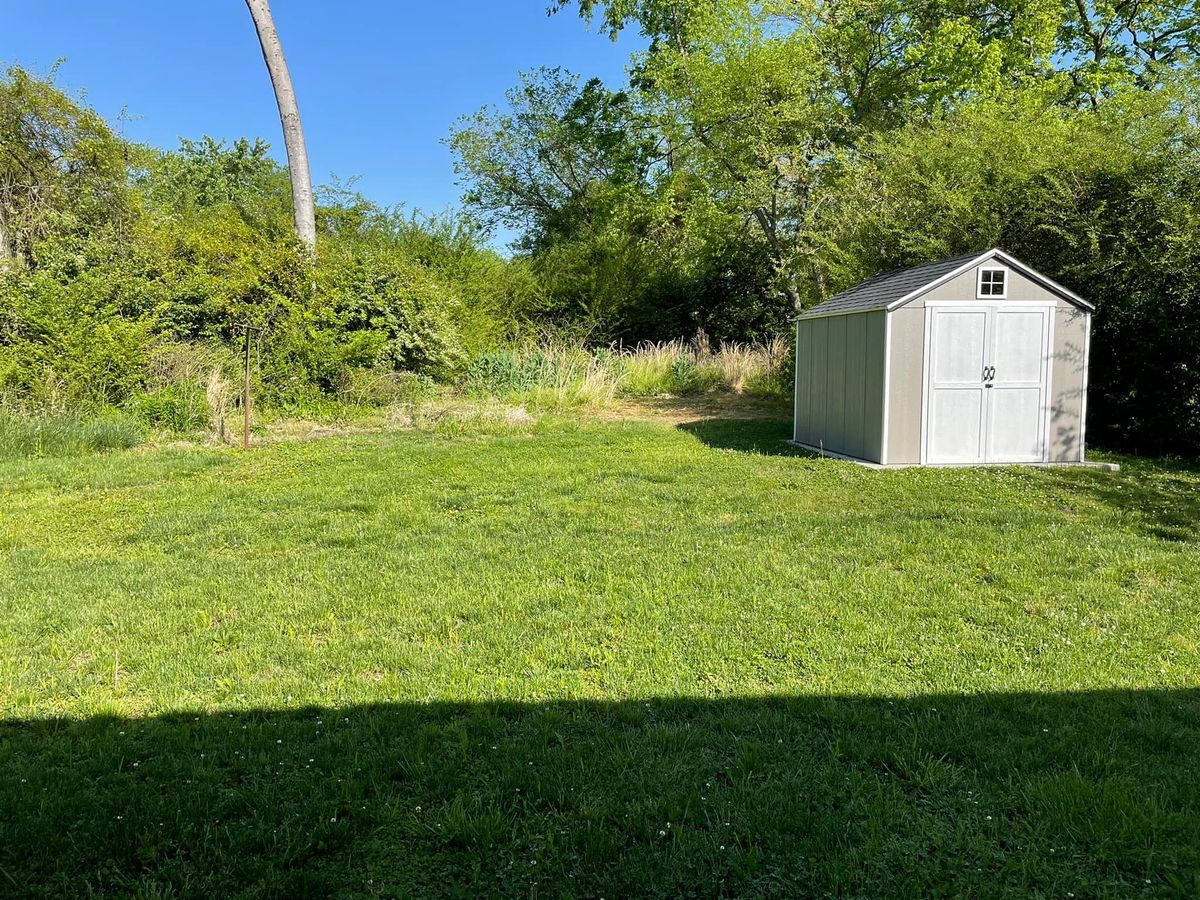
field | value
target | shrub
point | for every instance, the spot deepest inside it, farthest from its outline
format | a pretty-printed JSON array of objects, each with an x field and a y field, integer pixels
[
  {"x": 175, "y": 407},
  {"x": 497, "y": 372},
  {"x": 389, "y": 310},
  {"x": 382, "y": 387}
]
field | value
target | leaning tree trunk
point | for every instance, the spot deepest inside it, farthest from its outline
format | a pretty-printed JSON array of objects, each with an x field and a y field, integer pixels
[{"x": 289, "y": 114}]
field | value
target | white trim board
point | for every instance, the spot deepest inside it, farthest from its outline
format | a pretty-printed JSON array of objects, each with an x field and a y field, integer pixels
[
  {"x": 926, "y": 338},
  {"x": 887, "y": 387},
  {"x": 1087, "y": 346}
]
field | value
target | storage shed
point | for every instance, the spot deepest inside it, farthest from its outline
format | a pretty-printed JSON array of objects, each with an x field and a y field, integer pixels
[{"x": 973, "y": 360}]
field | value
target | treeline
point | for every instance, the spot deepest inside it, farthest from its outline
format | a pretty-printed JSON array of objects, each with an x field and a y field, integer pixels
[
  {"x": 763, "y": 156},
  {"x": 759, "y": 158},
  {"x": 122, "y": 266}
]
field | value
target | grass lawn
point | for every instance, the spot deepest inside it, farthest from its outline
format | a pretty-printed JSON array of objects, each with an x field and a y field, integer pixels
[{"x": 605, "y": 659}]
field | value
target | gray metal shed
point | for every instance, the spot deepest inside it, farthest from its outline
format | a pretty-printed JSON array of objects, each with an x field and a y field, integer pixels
[{"x": 973, "y": 360}]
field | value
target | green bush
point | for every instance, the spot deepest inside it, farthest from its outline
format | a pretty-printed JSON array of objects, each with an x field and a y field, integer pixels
[
  {"x": 673, "y": 367},
  {"x": 176, "y": 407},
  {"x": 381, "y": 387},
  {"x": 687, "y": 376},
  {"x": 498, "y": 372}
]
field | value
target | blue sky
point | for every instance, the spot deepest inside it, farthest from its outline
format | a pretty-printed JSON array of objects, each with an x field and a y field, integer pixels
[{"x": 379, "y": 82}]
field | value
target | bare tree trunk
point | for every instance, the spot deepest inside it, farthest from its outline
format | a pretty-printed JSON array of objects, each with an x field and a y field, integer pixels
[
  {"x": 289, "y": 115},
  {"x": 791, "y": 289}
]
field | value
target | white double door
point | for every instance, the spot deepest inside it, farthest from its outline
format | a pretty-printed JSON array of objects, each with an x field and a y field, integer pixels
[{"x": 987, "y": 370}]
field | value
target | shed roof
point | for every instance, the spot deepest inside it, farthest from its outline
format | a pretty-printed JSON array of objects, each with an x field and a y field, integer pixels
[{"x": 892, "y": 289}]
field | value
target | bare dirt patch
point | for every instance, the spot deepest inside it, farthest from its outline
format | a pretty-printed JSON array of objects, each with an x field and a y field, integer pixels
[{"x": 678, "y": 410}]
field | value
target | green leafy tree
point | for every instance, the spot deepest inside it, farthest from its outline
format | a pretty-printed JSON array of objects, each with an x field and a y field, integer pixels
[
  {"x": 545, "y": 164},
  {"x": 62, "y": 171},
  {"x": 1106, "y": 45}
]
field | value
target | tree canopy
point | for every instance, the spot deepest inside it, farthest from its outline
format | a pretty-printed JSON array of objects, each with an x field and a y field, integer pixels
[{"x": 777, "y": 152}]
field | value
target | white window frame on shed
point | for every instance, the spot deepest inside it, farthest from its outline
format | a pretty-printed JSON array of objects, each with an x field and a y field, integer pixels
[{"x": 980, "y": 295}]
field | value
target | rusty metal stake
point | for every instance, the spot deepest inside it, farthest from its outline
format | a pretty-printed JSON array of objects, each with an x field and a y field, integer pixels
[
  {"x": 246, "y": 389},
  {"x": 246, "y": 396}
]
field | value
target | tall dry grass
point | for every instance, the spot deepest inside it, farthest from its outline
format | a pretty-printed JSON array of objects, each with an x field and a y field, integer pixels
[
  {"x": 217, "y": 394},
  {"x": 554, "y": 373},
  {"x": 680, "y": 368}
]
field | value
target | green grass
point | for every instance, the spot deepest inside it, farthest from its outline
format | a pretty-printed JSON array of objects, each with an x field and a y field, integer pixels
[
  {"x": 66, "y": 433},
  {"x": 595, "y": 660}
]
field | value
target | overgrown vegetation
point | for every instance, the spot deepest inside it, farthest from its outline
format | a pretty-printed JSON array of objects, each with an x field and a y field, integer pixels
[
  {"x": 761, "y": 157},
  {"x": 608, "y": 660},
  {"x": 557, "y": 374},
  {"x": 66, "y": 433},
  {"x": 765, "y": 155}
]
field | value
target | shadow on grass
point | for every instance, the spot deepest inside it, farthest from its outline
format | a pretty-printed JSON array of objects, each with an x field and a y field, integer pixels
[
  {"x": 1162, "y": 496},
  {"x": 763, "y": 436},
  {"x": 1090, "y": 793}
]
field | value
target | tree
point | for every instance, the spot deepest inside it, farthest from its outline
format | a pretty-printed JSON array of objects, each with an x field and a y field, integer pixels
[
  {"x": 303, "y": 203},
  {"x": 759, "y": 102},
  {"x": 1108, "y": 44},
  {"x": 206, "y": 174},
  {"x": 544, "y": 163},
  {"x": 62, "y": 170}
]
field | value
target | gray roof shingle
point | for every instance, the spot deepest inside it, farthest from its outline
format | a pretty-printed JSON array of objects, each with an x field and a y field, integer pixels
[{"x": 880, "y": 291}]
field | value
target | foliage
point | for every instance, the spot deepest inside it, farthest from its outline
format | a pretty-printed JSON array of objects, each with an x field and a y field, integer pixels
[
  {"x": 62, "y": 170},
  {"x": 560, "y": 373},
  {"x": 130, "y": 252},
  {"x": 550, "y": 374},
  {"x": 783, "y": 150},
  {"x": 385, "y": 387},
  {"x": 540, "y": 164},
  {"x": 177, "y": 407},
  {"x": 73, "y": 432}
]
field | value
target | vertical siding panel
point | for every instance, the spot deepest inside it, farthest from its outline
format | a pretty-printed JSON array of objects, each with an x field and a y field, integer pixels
[
  {"x": 874, "y": 356},
  {"x": 811, "y": 342},
  {"x": 803, "y": 379},
  {"x": 906, "y": 384},
  {"x": 856, "y": 348},
  {"x": 796, "y": 382},
  {"x": 820, "y": 373},
  {"x": 836, "y": 391}
]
